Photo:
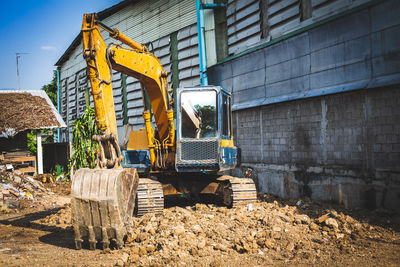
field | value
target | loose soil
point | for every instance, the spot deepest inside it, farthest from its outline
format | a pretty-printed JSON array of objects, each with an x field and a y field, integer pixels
[
  {"x": 272, "y": 231},
  {"x": 23, "y": 111}
]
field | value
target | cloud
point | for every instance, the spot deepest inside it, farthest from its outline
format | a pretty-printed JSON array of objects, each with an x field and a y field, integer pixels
[{"x": 48, "y": 48}]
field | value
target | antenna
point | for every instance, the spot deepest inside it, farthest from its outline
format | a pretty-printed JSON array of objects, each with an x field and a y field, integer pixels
[{"x": 17, "y": 56}]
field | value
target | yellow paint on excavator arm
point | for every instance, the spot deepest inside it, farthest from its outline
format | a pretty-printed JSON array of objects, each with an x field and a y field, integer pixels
[
  {"x": 148, "y": 70},
  {"x": 99, "y": 76},
  {"x": 135, "y": 61}
]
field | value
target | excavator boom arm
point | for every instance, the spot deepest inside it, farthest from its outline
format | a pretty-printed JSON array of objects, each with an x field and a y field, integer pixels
[{"x": 135, "y": 61}]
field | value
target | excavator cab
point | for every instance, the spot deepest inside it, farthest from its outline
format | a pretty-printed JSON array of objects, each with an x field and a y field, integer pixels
[
  {"x": 204, "y": 140},
  {"x": 204, "y": 130}
]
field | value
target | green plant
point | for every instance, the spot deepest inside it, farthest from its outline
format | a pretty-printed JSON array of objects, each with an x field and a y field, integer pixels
[
  {"x": 84, "y": 148},
  {"x": 51, "y": 88},
  {"x": 31, "y": 135},
  {"x": 47, "y": 136}
]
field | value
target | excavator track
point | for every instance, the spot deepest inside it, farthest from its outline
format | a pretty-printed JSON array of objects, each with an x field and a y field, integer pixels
[
  {"x": 237, "y": 190},
  {"x": 150, "y": 197}
]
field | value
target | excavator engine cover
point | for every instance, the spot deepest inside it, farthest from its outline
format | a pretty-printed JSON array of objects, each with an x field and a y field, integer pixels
[{"x": 102, "y": 204}]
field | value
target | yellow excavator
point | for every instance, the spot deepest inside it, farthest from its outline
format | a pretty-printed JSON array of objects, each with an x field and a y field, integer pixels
[{"x": 180, "y": 153}]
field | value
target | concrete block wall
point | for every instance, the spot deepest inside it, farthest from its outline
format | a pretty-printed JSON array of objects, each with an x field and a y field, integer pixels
[
  {"x": 341, "y": 147},
  {"x": 317, "y": 114}
]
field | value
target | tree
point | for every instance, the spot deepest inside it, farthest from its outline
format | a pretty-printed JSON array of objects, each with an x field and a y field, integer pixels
[
  {"x": 51, "y": 89},
  {"x": 208, "y": 120}
]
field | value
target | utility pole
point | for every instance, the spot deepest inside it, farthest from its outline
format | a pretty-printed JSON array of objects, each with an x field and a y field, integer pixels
[{"x": 17, "y": 56}]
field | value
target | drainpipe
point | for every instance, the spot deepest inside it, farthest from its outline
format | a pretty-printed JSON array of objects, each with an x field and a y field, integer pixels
[
  {"x": 202, "y": 46},
  {"x": 200, "y": 33},
  {"x": 58, "y": 102}
]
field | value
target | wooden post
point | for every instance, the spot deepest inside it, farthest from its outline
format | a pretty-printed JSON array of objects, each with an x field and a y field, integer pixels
[{"x": 39, "y": 152}]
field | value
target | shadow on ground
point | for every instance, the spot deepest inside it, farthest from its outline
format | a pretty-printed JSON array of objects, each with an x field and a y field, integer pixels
[{"x": 58, "y": 236}]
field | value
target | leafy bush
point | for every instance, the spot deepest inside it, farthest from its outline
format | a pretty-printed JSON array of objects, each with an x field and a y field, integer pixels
[{"x": 84, "y": 148}]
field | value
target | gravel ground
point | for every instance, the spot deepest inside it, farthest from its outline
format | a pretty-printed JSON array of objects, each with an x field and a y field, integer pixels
[{"x": 272, "y": 231}]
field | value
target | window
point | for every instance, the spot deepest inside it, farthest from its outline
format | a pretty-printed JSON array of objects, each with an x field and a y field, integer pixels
[
  {"x": 199, "y": 114},
  {"x": 226, "y": 107}
]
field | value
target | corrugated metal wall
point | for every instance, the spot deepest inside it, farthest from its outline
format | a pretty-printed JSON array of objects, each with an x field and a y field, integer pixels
[
  {"x": 249, "y": 23},
  {"x": 188, "y": 56},
  {"x": 148, "y": 22},
  {"x": 245, "y": 26}
]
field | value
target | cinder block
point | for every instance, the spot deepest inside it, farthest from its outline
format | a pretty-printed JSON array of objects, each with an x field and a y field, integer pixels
[
  {"x": 358, "y": 71},
  {"x": 226, "y": 84},
  {"x": 340, "y": 30},
  {"x": 291, "y": 86},
  {"x": 248, "y": 63},
  {"x": 244, "y": 96},
  {"x": 386, "y": 41},
  {"x": 288, "y": 69},
  {"x": 385, "y": 65},
  {"x": 385, "y": 15},
  {"x": 294, "y": 47},
  {"x": 327, "y": 58},
  {"x": 327, "y": 78},
  {"x": 357, "y": 50},
  {"x": 220, "y": 72}
]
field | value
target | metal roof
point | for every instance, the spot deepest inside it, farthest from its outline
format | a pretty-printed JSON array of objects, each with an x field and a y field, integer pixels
[{"x": 102, "y": 15}]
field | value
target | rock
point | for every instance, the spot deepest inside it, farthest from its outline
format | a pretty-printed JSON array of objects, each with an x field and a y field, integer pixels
[
  {"x": 220, "y": 247},
  {"x": 201, "y": 244},
  {"x": 178, "y": 231},
  {"x": 346, "y": 229},
  {"x": 269, "y": 243},
  {"x": 339, "y": 236},
  {"x": 134, "y": 258},
  {"x": 314, "y": 227},
  {"x": 302, "y": 218},
  {"x": 194, "y": 251},
  {"x": 124, "y": 257},
  {"x": 276, "y": 229},
  {"x": 222, "y": 209},
  {"x": 283, "y": 217},
  {"x": 134, "y": 251},
  {"x": 119, "y": 263},
  {"x": 197, "y": 228},
  {"x": 142, "y": 251},
  {"x": 323, "y": 218},
  {"x": 332, "y": 223}
]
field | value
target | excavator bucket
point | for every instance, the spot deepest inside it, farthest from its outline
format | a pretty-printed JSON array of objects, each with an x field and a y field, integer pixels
[{"x": 102, "y": 204}]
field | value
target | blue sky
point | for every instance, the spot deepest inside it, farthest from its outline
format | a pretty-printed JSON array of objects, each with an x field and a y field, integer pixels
[{"x": 43, "y": 28}]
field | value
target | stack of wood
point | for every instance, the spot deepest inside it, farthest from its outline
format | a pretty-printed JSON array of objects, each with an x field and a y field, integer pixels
[{"x": 20, "y": 160}]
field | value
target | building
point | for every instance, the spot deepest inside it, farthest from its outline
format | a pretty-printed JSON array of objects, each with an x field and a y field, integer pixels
[
  {"x": 315, "y": 87},
  {"x": 22, "y": 111}
]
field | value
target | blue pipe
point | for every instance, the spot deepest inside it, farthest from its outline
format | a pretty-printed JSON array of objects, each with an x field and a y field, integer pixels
[
  {"x": 202, "y": 46},
  {"x": 212, "y": 6},
  {"x": 58, "y": 102}
]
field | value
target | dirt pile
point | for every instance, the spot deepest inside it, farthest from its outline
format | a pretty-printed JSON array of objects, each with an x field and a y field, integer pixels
[
  {"x": 258, "y": 234},
  {"x": 265, "y": 230},
  {"x": 23, "y": 111}
]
